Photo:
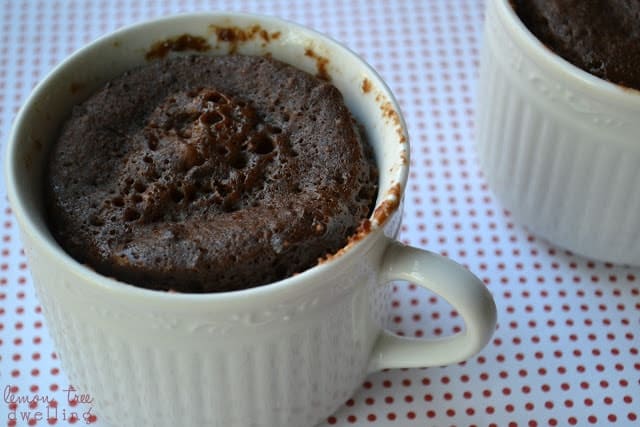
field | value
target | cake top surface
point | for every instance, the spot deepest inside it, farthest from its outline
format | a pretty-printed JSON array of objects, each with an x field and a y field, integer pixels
[
  {"x": 205, "y": 174},
  {"x": 601, "y": 37}
]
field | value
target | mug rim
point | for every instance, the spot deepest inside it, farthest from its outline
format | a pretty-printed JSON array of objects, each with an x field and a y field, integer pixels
[
  {"x": 391, "y": 201},
  {"x": 561, "y": 68}
]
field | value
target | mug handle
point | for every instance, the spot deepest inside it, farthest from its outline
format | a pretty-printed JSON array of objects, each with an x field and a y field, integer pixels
[{"x": 464, "y": 291}]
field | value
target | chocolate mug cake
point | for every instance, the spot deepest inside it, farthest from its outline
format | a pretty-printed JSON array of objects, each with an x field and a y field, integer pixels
[
  {"x": 600, "y": 36},
  {"x": 208, "y": 174}
]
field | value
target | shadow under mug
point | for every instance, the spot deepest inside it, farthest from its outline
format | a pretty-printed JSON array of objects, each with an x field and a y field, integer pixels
[{"x": 284, "y": 354}]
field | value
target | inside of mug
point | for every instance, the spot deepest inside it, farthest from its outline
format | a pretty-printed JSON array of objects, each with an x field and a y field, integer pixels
[{"x": 366, "y": 95}]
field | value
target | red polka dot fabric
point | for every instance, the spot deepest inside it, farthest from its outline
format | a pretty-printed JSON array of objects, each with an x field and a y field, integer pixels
[{"x": 566, "y": 350}]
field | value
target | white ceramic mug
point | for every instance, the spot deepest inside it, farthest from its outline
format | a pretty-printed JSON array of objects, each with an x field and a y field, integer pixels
[
  {"x": 284, "y": 354},
  {"x": 559, "y": 147}
]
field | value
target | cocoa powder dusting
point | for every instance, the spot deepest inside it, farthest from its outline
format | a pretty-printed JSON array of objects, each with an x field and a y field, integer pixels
[
  {"x": 366, "y": 85},
  {"x": 390, "y": 113},
  {"x": 181, "y": 43},
  {"x": 321, "y": 64},
  {"x": 236, "y": 35},
  {"x": 388, "y": 206}
]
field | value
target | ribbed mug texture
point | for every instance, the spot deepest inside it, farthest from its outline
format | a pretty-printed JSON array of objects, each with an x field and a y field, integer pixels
[{"x": 291, "y": 366}]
